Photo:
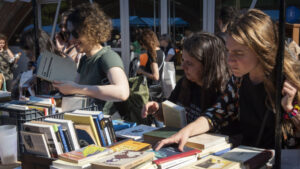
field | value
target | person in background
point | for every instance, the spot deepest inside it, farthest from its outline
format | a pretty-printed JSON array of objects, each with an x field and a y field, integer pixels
[
  {"x": 7, "y": 62},
  {"x": 27, "y": 44},
  {"x": 153, "y": 68},
  {"x": 168, "y": 47},
  {"x": 62, "y": 40},
  {"x": 206, "y": 76},
  {"x": 226, "y": 16},
  {"x": 100, "y": 73},
  {"x": 250, "y": 94}
]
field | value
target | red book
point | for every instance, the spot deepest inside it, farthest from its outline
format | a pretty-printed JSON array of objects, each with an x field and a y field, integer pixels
[{"x": 177, "y": 154}]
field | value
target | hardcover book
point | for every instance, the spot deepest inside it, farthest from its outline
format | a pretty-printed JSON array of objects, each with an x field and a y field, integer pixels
[
  {"x": 123, "y": 160},
  {"x": 60, "y": 164},
  {"x": 84, "y": 119},
  {"x": 249, "y": 157},
  {"x": 213, "y": 162},
  {"x": 130, "y": 144},
  {"x": 53, "y": 67},
  {"x": 206, "y": 140},
  {"x": 85, "y": 155},
  {"x": 154, "y": 136},
  {"x": 35, "y": 143},
  {"x": 176, "y": 115},
  {"x": 135, "y": 132}
]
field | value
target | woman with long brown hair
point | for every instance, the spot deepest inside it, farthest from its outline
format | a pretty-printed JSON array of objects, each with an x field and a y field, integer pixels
[
  {"x": 153, "y": 68},
  {"x": 250, "y": 96}
]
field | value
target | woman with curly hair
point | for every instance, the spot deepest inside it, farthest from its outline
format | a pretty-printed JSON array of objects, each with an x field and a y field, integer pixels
[
  {"x": 100, "y": 73},
  {"x": 250, "y": 95},
  {"x": 153, "y": 68}
]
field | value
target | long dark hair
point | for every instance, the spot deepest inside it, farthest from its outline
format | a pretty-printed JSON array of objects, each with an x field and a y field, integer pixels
[
  {"x": 211, "y": 52},
  {"x": 149, "y": 39}
]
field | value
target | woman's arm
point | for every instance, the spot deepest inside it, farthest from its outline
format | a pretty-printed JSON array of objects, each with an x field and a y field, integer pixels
[
  {"x": 154, "y": 69},
  {"x": 10, "y": 54},
  {"x": 117, "y": 90}
]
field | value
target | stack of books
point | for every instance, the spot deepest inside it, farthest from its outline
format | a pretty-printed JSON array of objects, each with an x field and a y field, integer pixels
[{"x": 81, "y": 158}]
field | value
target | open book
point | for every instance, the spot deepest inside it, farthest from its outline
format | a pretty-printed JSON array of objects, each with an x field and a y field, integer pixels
[{"x": 53, "y": 67}]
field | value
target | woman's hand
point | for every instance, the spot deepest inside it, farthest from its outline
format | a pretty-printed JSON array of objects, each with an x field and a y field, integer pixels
[
  {"x": 289, "y": 92},
  {"x": 66, "y": 87},
  {"x": 150, "y": 108},
  {"x": 180, "y": 138}
]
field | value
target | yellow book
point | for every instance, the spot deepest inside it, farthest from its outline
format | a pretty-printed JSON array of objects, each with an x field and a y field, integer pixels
[
  {"x": 130, "y": 145},
  {"x": 84, "y": 119}
]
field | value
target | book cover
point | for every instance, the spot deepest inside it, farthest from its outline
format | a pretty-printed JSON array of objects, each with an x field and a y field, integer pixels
[
  {"x": 70, "y": 103},
  {"x": 97, "y": 117},
  {"x": 85, "y": 134},
  {"x": 86, "y": 154},
  {"x": 111, "y": 130},
  {"x": 84, "y": 119},
  {"x": 50, "y": 136},
  {"x": 121, "y": 124},
  {"x": 70, "y": 130},
  {"x": 130, "y": 144},
  {"x": 53, "y": 67},
  {"x": 154, "y": 136},
  {"x": 206, "y": 140},
  {"x": 123, "y": 160},
  {"x": 171, "y": 153},
  {"x": 135, "y": 132},
  {"x": 35, "y": 143},
  {"x": 213, "y": 162},
  {"x": 250, "y": 157},
  {"x": 176, "y": 115}
]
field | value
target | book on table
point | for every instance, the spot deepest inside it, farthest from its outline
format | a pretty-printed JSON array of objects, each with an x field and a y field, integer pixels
[
  {"x": 85, "y": 155},
  {"x": 203, "y": 141},
  {"x": 123, "y": 160},
  {"x": 80, "y": 119},
  {"x": 175, "y": 114},
  {"x": 213, "y": 162},
  {"x": 60, "y": 164},
  {"x": 171, "y": 157},
  {"x": 249, "y": 157},
  {"x": 35, "y": 143},
  {"x": 53, "y": 67},
  {"x": 154, "y": 136},
  {"x": 136, "y": 132},
  {"x": 130, "y": 144}
]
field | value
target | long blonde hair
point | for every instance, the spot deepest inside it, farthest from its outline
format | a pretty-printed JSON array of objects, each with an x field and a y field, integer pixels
[{"x": 256, "y": 30}]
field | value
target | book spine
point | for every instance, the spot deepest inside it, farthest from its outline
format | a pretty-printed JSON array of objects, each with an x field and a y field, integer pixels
[
  {"x": 105, "y": 131},
  {"x": 63, "y": 139},
  {"x": 97, "y": 122},
  {"x": 177, "y": 156},
  {"x": 111, "y": 130},
  {"x": 68, "y": 140}
]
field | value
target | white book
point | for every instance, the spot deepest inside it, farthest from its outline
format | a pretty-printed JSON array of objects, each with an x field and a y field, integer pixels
[
  {"x": 68, "y": 165},
  {"x": 175, "y": 115},
  {"x": 136, "y": 132},
  {"x": 35, "y": 143},
  {"x": 70, "y": 129},
  {"x": 50, "y": 136},
  {"x": 206, "y": 140},
  {"x": 70, "y": 103},
  {"x": 53, "y": 67}
]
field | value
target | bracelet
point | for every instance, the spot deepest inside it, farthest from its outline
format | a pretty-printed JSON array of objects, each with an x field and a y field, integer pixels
[{"x": 293, "y": 112}]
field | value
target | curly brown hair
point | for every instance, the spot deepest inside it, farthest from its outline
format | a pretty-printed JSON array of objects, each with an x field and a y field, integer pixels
[
  {"x": 3, "y": 37},
  {"x": 91, "y": 21},
  {"x": 149, "y": 40}
]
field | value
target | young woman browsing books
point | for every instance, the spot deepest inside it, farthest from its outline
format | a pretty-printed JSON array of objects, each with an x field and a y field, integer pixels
[
  {"x": 100, "y": 73},
  {"x": 250, "y": 95},
  {"x": 206, "y": 75}
]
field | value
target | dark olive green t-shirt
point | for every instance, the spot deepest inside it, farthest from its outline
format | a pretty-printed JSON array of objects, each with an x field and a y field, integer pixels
[{"x": 93, "y": 69}]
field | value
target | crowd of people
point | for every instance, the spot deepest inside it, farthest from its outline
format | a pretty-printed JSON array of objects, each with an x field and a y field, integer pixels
[{"x": 228, "y": 84}]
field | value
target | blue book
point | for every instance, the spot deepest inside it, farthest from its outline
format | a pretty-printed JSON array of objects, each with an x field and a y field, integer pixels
[
  {"x": 120, "y": 124},
  {"x": 63, "y": 139}
]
